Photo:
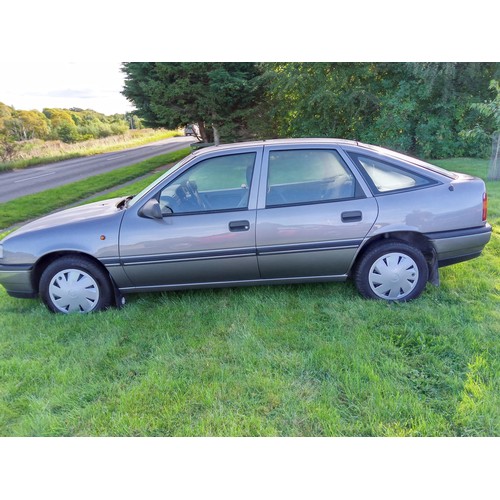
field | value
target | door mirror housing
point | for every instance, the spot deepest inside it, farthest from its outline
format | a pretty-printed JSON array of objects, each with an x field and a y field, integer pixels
[{"x": 151, "y": 210}]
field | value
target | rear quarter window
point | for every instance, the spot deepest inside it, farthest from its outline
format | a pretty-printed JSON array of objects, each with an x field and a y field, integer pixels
[{"x": 386, "y": 177}]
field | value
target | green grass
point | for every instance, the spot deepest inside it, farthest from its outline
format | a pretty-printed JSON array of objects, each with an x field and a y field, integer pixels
[
  {"x": 34, "y": 205},
  {"x": 44, "y": 152},
  {"x": 304, "y": 360}
]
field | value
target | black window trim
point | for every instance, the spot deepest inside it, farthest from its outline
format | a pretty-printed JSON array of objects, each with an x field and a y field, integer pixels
[
  {"x": 317, "y": 202},
  {"x": 206, "y": 212}
]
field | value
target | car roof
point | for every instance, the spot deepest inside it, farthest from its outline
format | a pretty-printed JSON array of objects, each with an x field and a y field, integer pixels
[
  {"x": 351, "y": 145},
  {"x": 275, "y": 142}
]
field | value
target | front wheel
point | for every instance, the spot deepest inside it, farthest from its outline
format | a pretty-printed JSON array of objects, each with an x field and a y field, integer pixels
[
  {"x": 75, "y": 284},
  {"x": 393, "y": 271}
]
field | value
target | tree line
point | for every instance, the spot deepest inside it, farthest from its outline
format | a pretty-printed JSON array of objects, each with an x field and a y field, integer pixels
[
  {"x": 67, "y": 125},
  {"x": 432, "y": 110}
]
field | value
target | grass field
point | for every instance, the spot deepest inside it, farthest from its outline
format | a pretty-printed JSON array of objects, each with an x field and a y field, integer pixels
[{"x": 304, "y": 360}]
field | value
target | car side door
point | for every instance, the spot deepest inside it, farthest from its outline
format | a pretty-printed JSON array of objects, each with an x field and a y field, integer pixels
[
  {"x": 314, "y": 211},
  {"x": 206, "y": 232}
]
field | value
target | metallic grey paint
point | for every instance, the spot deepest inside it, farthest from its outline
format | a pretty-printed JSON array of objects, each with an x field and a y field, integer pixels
[{"x": 305, "y": 242}]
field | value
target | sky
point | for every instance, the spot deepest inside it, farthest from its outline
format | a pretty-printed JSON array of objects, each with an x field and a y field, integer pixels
[
  {"x": 87, "y": 85},
  {"x": 59, "y": 78}
]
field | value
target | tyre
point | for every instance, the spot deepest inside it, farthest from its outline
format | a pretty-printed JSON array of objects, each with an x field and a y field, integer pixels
[
  {"x": 75, "y": 284},
  {"x": 393, "y": 271}
]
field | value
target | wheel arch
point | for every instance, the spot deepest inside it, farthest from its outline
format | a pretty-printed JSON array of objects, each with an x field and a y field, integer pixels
[
  {"x": 413, "y": 238},
  {"x": 47, "y": 259}
]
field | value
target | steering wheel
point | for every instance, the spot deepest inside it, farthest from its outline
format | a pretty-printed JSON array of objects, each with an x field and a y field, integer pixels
[{"x": 193, "y": 191}]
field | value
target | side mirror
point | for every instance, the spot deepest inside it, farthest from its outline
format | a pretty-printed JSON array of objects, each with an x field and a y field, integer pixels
[{"x": 151, "y": 210}]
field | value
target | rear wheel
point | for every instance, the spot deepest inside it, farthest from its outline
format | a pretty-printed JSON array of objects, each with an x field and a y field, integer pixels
[
  {"x": 393, "y": 271},
  {"x": 75, "y": 284}
]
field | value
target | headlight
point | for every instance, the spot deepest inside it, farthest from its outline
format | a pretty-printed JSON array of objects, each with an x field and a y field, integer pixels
[{"x": 1, "y": 251}]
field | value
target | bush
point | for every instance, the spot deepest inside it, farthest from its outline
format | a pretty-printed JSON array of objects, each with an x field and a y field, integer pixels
[
  {"x": 68, "y": 132},
  {"x": 9, "y": 149}
]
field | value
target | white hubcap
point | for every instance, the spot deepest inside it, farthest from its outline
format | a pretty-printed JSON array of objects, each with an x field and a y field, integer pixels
[
  {"x": 73, "y": 290},
  {"x": 393, "y": 276}
]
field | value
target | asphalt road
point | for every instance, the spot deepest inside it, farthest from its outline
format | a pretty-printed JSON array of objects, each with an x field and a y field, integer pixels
[{"x": 33, "y": 180}]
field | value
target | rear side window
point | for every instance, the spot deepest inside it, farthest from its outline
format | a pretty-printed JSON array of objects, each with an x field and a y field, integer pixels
[
  {"x": 384, "y": 177},
  {"x": 308, "y": 176}
]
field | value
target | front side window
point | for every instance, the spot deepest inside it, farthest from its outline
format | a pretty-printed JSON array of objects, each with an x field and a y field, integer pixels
[
  {"x": 221, "y": 183},
  {"x": 308, "y": 176},
  {"x": 385, "y": 177}
]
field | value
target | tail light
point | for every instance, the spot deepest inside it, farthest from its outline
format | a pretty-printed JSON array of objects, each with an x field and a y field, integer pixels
[{"x": 485, "y": 206}]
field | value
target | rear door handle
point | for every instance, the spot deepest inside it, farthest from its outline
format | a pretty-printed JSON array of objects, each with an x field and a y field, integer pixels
[
  {"x": 239, "y": 225},
  {"x": 354, "y": 216}
]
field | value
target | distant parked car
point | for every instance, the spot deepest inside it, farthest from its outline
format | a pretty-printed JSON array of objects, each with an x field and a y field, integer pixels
[
  {"x": 273, "y": 212},
  {"x": 190, "y": 130}
]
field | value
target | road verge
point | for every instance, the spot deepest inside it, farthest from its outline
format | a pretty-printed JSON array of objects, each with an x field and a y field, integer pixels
[{"x": 35, "y": 205}]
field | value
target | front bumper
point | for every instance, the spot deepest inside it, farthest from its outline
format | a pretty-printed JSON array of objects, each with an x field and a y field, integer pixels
[{"x": 17, "y": 281}]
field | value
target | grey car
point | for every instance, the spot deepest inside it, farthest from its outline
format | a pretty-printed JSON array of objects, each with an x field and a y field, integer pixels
[
  {"x": 190, "y": 130},
  {"x": 268, "y": 212}
]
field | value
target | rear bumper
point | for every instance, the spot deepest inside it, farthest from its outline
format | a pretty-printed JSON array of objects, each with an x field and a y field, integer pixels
[
  {"x": 459, "y": 245},
  {"x": 17, "y": 281}
]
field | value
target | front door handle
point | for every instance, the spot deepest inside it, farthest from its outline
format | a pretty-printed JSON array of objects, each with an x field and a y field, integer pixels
[
  {"x": 239, "y": 225},
  {"x": 354, "y": 216}
]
